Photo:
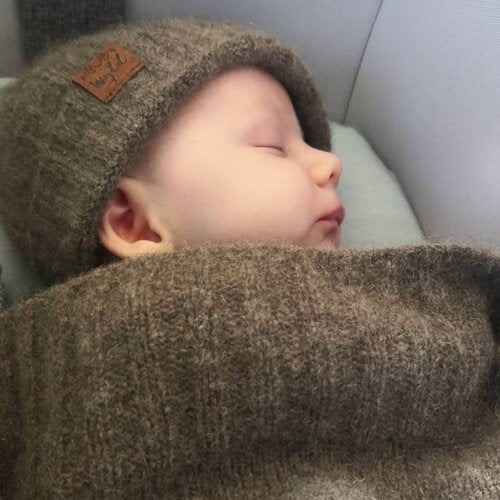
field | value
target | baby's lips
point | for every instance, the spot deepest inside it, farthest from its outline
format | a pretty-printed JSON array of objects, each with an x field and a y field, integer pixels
[{"x": 338, "y": 214}]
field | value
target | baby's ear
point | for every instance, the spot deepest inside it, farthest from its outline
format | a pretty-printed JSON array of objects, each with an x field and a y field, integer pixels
[{"x": 130, "y": 225}]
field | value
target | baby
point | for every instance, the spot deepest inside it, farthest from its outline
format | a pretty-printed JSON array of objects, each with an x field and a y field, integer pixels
[
  {"x": 233, "y": 166},
  {"x": 163, "y": 135}
]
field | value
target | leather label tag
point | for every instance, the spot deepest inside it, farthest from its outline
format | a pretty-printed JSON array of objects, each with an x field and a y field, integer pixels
[{"x": 108, "y": 71}]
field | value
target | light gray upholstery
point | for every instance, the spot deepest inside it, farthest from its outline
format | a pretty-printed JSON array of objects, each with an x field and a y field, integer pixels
[
  {"x": 11, "y": 54},
  {"x": 427, "y": 99}
]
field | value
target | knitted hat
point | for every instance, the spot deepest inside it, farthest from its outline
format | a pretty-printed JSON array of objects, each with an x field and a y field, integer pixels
[{"x": 75, "y": 120}]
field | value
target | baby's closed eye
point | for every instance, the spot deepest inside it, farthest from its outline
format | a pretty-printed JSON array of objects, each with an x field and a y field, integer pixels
[{"x": 272, "y": 147}]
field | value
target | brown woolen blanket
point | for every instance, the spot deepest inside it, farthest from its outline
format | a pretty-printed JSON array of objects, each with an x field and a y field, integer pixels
[{"x": 257, "y": 371}]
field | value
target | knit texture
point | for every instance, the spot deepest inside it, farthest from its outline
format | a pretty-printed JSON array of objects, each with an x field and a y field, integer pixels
[
  {"x": 63, "y": 151},
  {"x": 3, "y": 292},
  {"x": 45, "y": 22},
  {"x": 257, "y": 371}
]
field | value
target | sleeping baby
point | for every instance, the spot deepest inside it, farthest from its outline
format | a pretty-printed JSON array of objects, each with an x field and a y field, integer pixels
[
  {"x": 162, "y": 135},
  {"x": 209, "y": 373},
  {"x": 233, "y": 166}
]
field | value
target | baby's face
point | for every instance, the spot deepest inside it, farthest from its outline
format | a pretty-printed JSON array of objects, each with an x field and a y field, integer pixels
[{"x": 233, "y": 166}]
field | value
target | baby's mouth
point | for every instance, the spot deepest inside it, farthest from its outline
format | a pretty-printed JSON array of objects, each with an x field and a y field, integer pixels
[{"x": 330, "y": 224}]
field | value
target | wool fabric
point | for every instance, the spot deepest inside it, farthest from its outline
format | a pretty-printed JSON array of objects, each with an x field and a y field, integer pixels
[
  {"x": 3, "y": 292},
  {"x": 257, "y": 371},
  {"x": 63, "y": 150}
]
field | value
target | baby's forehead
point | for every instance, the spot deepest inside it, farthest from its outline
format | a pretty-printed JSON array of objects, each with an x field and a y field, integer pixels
[
  {"x": 254, "y": 78},
  {"x": 245, "y": 94},
  {"x": 244, "y": 88}
]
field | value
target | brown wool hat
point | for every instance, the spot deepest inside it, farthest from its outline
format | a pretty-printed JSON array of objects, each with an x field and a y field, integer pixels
[{"x": 75, "y": 120}]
